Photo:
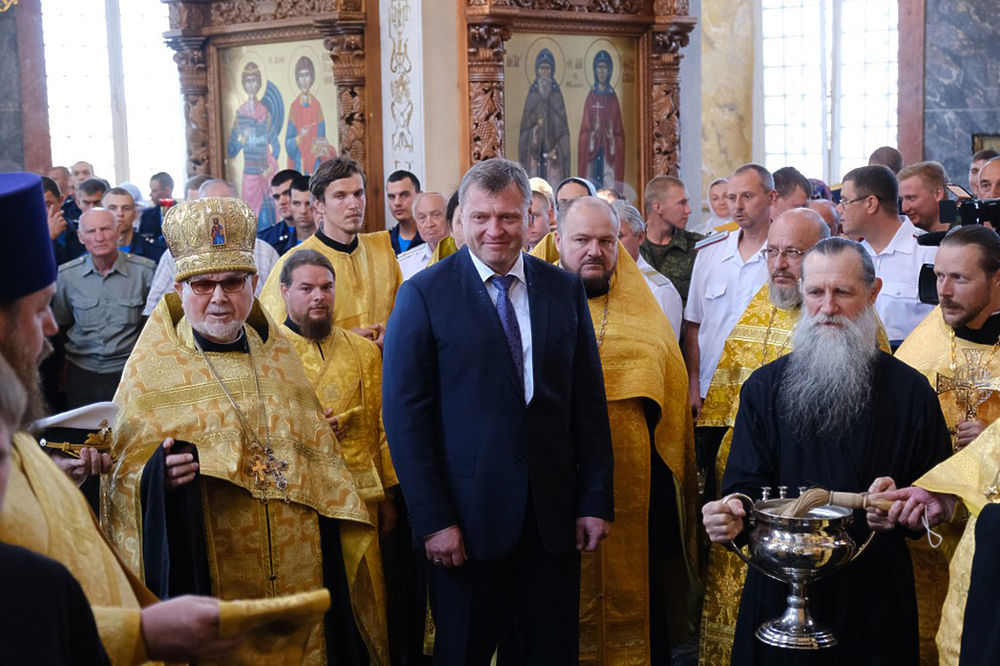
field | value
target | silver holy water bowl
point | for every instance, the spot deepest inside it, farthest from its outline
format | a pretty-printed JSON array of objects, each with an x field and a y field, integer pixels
[{"x": 797, "y": 551}]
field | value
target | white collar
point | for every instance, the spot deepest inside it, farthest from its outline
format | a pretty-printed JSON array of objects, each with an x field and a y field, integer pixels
[{"x": 485, "y": 272}]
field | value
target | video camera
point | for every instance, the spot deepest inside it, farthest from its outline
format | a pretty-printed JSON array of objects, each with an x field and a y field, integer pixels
[{"x": 965, "y": 211}]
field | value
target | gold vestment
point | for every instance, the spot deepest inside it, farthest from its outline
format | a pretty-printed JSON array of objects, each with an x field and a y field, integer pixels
[
  {"x": 928, "y": 349},
  {"x": 646, "y": 385},
  {"x": 969, "y": 474},
  {"x": 445, "y": 248},
  {"x": 762, "y": 334},
  {"x": 262, "y": 537},
  {"x": 44, "y": 512},
  {"x": 367, "y": 280}
]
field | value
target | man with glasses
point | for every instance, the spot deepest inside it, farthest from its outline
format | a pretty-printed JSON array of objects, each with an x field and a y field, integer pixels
[
  {"x": 228, "y": 478},
  {"x": 868, "y": 210}
]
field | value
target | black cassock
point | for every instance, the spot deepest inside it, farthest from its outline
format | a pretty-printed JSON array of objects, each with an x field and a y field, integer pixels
[{"x": 870, "y": 605}]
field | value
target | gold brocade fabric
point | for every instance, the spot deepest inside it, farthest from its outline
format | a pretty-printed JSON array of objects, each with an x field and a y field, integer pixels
[
  {"x": 970, "y": 474},
  {"x": 642, "y": 366},
  {"x": 445, "y": 248},
  {"x": 44, "y": 512},
  {"x": 255, "y": 549},
  {"x": 367, "y": 280},
  {"x": 762, "y": 335},
  {"x": 345, "y": 370},
  {"x": 928, "y": 350}
]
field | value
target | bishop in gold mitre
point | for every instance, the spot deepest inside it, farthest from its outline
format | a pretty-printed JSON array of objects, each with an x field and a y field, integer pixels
[
  {"x": 625, "y": 617},
  {"x": 955, "y": 347},
  {"x": 227, "y": 477},
  {"x": 762, "y": 334},
  {"x": 43, "y": 510},
  {"x": 368, "y": 274}
]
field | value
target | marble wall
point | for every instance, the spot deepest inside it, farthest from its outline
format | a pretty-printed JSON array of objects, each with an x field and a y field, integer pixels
[
  {"x": 961, "y": 80},
  {"x": 727, "y": 34},
  {"x": 11, "y": 132}
]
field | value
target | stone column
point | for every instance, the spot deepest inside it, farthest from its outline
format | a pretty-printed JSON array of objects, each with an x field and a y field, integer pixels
[
  {"x": 485, "y": 54},
  {"x": 190, "y": 59}
]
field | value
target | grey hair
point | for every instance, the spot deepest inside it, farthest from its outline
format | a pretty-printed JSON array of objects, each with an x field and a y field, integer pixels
[
  {"x": 494, "y": 176},
  {"x": 575, "y": 202},
  {"x": 233, "y": 192},
  {"x": 630, "y": 215},
  {"x": 766, "y": 179},
  {"x": 836, "y": 245}
]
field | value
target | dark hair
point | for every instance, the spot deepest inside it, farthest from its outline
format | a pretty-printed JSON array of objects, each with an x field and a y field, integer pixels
[
  {"x": 452, "y": 205},
  {"x": 836, "y": 245},
  {"x": 985, "y": 154},
  {"x": 163, "y": 178},
  {"x": 766, "y": 179},
  {"x": 305, "y": 63},
  {"x": 494, "y": 176},
  {"x": 300, "y": 184},
  {"x": 50, "y": 186},
  {"x": 886, "y": 156},
  {"x": 93, "y": 186},
  {"x": 985, "y": 239},
  {"x": 304, "y": 257},
  {"x": 878, "y": 181},
  {"x": 402, "y": 174},
  {"x": 284, "y": 176},
  {"x": 337, "y": 168},
  {"x": 786, "y": 179}
]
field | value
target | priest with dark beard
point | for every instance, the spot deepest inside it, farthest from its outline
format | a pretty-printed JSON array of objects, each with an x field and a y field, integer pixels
[{"x": 840, "y": 414}]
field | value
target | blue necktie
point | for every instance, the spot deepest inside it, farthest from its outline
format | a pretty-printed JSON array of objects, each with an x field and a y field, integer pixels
[{"x": 508, "y": 319}]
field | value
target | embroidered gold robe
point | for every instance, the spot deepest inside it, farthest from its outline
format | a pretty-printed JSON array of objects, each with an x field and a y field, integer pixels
[
  {"x": 44, "y": 512},
  {"x": 445, "y": 248},
  {"x": 928, "y": 349},
  {"x": 367, "y": 280},
  {"x": 968, "y": 474},
  {"x": 646, "y": 385},
  {"x": 261, "y": 540},
  {"x": 762, "y": 334}
]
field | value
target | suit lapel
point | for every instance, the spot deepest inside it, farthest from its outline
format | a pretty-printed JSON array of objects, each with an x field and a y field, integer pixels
[
  {"x": 484, "y": 313},
  {"x": 538, "y": 300}
]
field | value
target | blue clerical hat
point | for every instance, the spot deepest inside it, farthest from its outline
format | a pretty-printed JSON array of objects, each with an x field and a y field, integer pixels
[{"x": 27, "y": 263}]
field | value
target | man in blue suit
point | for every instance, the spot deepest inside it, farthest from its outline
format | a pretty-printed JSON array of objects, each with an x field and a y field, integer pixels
[{"x": 495, "y": 414}]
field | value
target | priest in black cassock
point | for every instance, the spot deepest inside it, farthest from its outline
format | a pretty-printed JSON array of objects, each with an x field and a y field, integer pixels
[{"x": 840, "y": 414}]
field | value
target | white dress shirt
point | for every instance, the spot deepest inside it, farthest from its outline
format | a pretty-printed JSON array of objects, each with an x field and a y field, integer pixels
[
  {"x": 264, "y": 256},
  {"x": 665, "y": 293},
  {"x": 414, "y": 260},
  {"x": 518, "y": 295},
  {"x": 722, "y": 285},
  {"x": 898, "y": 264}
]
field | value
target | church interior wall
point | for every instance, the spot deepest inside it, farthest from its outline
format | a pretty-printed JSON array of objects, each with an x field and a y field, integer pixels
[
  {"x": 961, "y": 80},
  {"x": 441, "y": 45}
]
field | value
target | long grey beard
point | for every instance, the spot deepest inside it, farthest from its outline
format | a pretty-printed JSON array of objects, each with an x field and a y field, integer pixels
[{"x": 827, "y": 382}]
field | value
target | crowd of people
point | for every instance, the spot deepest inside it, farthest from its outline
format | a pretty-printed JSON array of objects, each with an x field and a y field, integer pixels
[{"x": 509, "y": 427}]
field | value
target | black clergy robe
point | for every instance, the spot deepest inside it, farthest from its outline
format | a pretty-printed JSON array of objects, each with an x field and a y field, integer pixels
[{"x": 870, "y": 605}]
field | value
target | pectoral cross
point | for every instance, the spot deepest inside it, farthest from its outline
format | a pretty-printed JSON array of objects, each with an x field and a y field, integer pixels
[
  {"x": 264, "y": 464},
  {"x": 972, "y": 384}
]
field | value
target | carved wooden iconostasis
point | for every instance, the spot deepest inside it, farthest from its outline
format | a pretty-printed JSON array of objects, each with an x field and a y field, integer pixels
[
  {"x": 616, "y": 62},
  {"x": 303, "y": 64}
]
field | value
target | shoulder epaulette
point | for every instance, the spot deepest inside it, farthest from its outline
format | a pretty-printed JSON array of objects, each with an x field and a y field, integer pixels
[
  {"x": 656, "y": 277},
  {"x": 72, "y": 263},
  {"x": 411, "y": 251},
  {"x": 711, "y": 239},
  {"x": 142, "y": 261}
]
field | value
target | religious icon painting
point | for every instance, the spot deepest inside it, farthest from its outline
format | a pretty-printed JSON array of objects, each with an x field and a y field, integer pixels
[
  {"x": 218, "y": 230},
  {"x": 275, "y": 101},
  {"x": 572, "y": 108}
]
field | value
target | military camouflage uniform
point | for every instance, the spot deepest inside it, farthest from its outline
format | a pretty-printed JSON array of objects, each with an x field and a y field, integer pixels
[{"x": 675, "y": 259}]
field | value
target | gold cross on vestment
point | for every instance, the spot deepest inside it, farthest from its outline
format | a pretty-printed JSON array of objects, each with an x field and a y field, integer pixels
[
  {"x": 265, "y": 467},
  {"x": 971, "y": 384}
]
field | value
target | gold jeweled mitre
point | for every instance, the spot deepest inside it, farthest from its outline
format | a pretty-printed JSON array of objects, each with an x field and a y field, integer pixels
[{"x": 211, "y": 235}]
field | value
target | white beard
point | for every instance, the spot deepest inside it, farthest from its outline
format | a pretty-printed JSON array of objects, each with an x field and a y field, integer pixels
[
  {"x": 228, "y": 331},
  {"x": 785, "y": 298},
  {"x": 828, "y": 380}
]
